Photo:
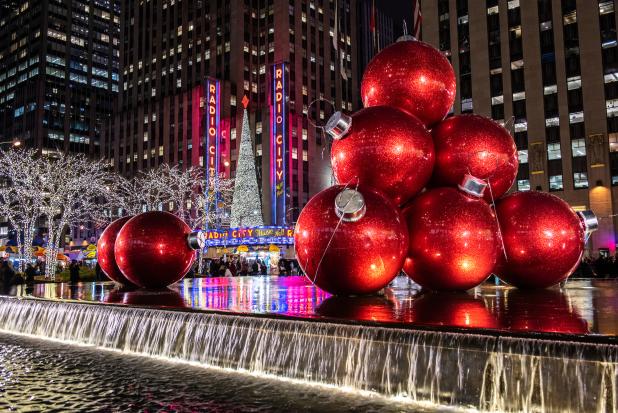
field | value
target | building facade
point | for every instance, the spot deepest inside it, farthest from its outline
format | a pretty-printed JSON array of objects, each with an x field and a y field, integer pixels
[
  {"x": 375, "y": 32},
  {"x": 59, "y": 73},
  {"x": 548, "y": 69},
  {"x": 294, "y": 60}
]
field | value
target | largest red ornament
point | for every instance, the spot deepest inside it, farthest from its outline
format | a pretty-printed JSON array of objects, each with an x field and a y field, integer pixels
[
  {"x": 384, "y": 148},
  {"x": 453, "y": 238},
  {"x": 152, "y": 249},
  {"x": 105, "y": 251},
  {"x": 543, "y": 239},
  {"x": 473, "y": 144},
  {"x": 412, "y": 76},
  {"x": 350, "y": 242}
]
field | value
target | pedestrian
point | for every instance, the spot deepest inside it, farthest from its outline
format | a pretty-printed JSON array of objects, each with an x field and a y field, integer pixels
[
  {"x": 7, "y": 274},
  {"x": 98, "y": 273},
  {"x": 74, "y": 272},
  {"x": 226, "y": 271},
  {"x": 30, "y": 273},
  {"x": 255, "y": 268}
]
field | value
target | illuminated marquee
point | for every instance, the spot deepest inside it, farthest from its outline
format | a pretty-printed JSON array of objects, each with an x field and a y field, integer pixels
[
  {"x": 278, "y": 145},
  {"x": 250, "y": 236},
  {"x": 213, "y": 132}
]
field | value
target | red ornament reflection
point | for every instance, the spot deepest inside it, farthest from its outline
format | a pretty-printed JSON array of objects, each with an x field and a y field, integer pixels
[
  {"x": 152, "y": 249},
  {"x": 543, "y": 238},
  {"x": 367, "y": 308},
  {"x": 412, "y": 76},
  {"x": 473, "y": 144},
  {"x": 347, "y": 258},
  {"x": 452, "y": 309},
  {"x": 158, "y": 298},
  {"x": 385, "y": 149},
  {"x": 547, "y": 311},
  {"x": 105, "y": 251},
  {"x": 453, "y": 240}
]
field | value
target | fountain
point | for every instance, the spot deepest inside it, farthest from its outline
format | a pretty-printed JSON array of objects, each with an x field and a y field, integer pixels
[{"x": 475, "y": 352}]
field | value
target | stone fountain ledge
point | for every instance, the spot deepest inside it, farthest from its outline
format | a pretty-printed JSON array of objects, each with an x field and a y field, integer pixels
[{"x": 485, "y": 370}]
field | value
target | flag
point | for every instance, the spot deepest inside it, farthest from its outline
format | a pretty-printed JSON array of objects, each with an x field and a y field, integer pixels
[{"x": 418, "y": 19}]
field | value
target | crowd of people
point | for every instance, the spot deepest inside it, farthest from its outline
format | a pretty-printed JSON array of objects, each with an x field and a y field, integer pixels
[
  {"x": 600, "y": 267},
  {"x": 238, "y": 266}
]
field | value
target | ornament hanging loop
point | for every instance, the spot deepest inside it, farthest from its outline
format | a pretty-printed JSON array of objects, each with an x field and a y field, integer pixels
[{"x": 314, "y": 122}]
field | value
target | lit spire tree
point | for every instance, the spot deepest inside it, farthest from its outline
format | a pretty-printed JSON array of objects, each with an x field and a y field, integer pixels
[{"x": 246, "y": 204}]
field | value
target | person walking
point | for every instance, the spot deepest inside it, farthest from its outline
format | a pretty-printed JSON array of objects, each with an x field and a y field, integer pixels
[
  {"x": 7, "y": 274},
  {"x": 30, "y": 274},
  {"x": 98, "y": 273},
  {"x": 74, "y": 272}
]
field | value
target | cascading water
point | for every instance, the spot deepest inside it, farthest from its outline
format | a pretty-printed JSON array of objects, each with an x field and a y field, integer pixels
[{"x": 469, "y": 370}]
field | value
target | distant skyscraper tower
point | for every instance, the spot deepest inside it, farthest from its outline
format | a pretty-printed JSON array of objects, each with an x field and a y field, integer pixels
[{"x": 59, "y": 72}]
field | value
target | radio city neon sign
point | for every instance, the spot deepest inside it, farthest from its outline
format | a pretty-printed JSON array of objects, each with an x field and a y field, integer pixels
[
  {"x": 278, "y": 143},
  {"x": 212, "y": 125}
]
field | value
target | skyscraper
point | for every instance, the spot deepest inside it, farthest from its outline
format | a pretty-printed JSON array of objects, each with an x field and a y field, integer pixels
[
  {"x": 281, "y": 55},
  {"x": 59, "y": 72},
  {"x": 549, "y": 70}
]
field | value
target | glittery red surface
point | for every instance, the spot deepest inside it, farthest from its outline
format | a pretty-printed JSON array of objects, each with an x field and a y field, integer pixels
[
  {"x": 105, "y": 251},
  {"x": 363, "y": 256},
  {"x": 453, "y": 240},
  {"x": 476, "y": 145},
  {"x": 412, "y": 76},
  {"x": 385, "y": 149},
  {"x": 543, "y": 238},
  {"x": 152, "y": 251}
]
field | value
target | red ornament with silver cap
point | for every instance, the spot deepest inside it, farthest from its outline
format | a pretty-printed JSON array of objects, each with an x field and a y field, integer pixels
[
  {"x": 543, "y": 238},
  {"x": 105, "y": 251},
  {"x": 350, "y": 241},
  {"x": 412, "y": 76},
  {"x": 453, "y": 237},
  {"x": 384, "y": 148},
  {"x": 156, "y": 249},
  {"x": 475, "y": 145}
]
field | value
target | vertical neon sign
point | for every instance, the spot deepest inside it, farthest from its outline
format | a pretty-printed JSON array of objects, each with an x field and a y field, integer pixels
[
  {"x": 278, "y": 143},
  {"x": 213, "y": 132}
]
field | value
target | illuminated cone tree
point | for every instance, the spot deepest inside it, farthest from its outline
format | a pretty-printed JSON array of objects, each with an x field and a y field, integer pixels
[{"x": 246, "y": 204}]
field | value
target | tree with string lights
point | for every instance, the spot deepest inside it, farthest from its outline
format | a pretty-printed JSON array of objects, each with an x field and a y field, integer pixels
[
  {"x": 20, "y": 197},
  {"x": 246, "y": 203},
  {"x": 73, "y": 189}
]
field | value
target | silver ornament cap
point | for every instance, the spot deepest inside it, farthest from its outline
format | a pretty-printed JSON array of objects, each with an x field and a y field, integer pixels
[
  {"x": 338, "y": 125},
  {"x": 350, "y": 205},
  {"x": 589, "y": 219},
  {"x": 472, "y": 185},
  {"x": 405, "y": 38},
  {"x": 196, "y": 240}
]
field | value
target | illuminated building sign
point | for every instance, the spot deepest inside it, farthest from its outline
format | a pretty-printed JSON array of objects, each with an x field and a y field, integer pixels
[
  {"x": 212, "y": 95},
  {"x": 250, "y": 236},
  {"x": 278, "y": 143}
]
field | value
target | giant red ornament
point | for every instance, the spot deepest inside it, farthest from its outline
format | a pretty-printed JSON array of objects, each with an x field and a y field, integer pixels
[
  {"x": 350, "y": 242},
  {"x": 473, "y": 144},
  {"x": 543, "y": 239},
  {"x": 105, "y": 251},
  {"x": 412, "y": 76},
  {"x": 383, "y": 148},
  {"x": 152, "y": 249},
  {"x": 453, "y": 237}
]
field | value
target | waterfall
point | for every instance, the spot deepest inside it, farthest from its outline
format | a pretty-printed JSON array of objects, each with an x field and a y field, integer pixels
[{"x": 485, "y": 372}]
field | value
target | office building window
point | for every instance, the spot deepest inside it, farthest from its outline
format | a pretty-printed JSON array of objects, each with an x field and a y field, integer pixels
[
  {"x": 578, "y": 147},
  {"x": 553, "y": 151},
  {"x": 555, "y": 183},
  {"x": 580, "y": 180}
]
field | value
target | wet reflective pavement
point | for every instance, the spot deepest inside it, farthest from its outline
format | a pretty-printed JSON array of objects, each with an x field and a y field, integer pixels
[
  {"x": 37, "y": 375},
  {"x": 584, "y": 308}
]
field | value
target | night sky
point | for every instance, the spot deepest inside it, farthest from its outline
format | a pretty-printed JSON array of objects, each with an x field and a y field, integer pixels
[{"x": 397, "y": 10}]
